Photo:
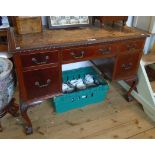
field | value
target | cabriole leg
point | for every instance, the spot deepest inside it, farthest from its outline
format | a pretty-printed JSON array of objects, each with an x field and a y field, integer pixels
[
  {"x": 133, "y": 86},
  {"x": 28, "y": 125},
  {"x": 13, "y": 109}
]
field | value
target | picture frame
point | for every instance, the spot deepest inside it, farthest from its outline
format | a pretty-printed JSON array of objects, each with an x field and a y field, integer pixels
[{"x": 61, "y": 22}]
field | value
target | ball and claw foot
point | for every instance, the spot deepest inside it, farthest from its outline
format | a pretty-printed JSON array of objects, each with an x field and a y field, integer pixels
[
  {"x": 129, "y": 98},
  {"x": 133, "y": 86},
  {"x": 28, "y": 130}
]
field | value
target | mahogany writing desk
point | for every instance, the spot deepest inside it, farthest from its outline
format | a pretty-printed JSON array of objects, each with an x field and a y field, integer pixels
[{"x": 39, "y": 57}]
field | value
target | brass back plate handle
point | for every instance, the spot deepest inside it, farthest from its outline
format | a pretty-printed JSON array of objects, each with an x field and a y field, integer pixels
[
  {"x": 78, "y": 56},
  {"x": 42, "y": 62},
  {"x": 43, "y": 85}
]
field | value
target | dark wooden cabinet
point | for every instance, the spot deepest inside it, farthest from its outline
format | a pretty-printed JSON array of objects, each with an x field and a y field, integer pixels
[
  {"x": 38, "y": 59},
  {"x": 39, "y": 74}
]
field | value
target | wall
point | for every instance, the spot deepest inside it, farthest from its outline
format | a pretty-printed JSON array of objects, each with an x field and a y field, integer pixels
[
  {"x": 129, "y": 21},
  {"x": 44, "y": 22},
  {"x": 146, "y": 23}
]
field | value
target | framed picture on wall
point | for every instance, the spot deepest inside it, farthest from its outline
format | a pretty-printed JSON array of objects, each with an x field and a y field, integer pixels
[{"x": 57, "y": 22}]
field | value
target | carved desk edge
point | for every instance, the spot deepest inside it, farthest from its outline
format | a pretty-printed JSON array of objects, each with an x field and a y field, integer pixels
[
  {"x": 15, "y": 48},
  {"x": 76, "y": 44}
]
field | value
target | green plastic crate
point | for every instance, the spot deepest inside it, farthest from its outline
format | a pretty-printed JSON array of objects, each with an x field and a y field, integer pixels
[{"x": 80, "y": 98}]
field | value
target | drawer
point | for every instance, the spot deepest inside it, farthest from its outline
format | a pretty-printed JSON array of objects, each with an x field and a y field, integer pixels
[
  {"x": 127, "y": 65},
  {"x": 75, "y": 54},
  {"x": 39, "y": 58},
  {"x": 42, "y": 82},
  {"x": 103, "y": 49},
  {"x": 131, "y": 45}
]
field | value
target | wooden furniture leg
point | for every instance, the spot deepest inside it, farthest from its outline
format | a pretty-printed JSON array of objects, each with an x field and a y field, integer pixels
[
  {"x": 93, "y": 20},
  {"x": 113, "y": 24},
  {"x": 1, "y": 129},
  {"x": 133, "y": 86},
  {"x": 2, "y": 113},
  {"x": 101, "y": 24},
  {"x": 12, "y": 109},
  {"x": 28, "y": 125},
  {"x": 124, "y": 22}
]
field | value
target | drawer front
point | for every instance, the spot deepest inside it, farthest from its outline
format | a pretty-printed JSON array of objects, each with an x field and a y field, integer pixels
[
  {"x": 103, "y": 50},
  {"x": 127, "y": 65},
  {"x": 131, "y": 45},
  {"x": 42, "y": 82},
  {"x": 39, "y": 58},
  {"x": 75, "y": 54}
]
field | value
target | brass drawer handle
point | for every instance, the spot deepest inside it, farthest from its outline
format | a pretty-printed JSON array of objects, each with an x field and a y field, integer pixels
[
  {"x": 44, "y": 85},
  {"x": 131, "y": 46},
  {"x": 81, "y": 55},
  {"x": 127, "y": 66},
  {"x": 105, "y": 50},
  {"x": 39, "y": 63}
]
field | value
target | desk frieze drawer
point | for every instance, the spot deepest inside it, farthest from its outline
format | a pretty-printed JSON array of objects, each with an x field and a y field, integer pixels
[
  {"x": 133, "y": 45},
  {"x": 42, "y": 82},
  {"x": 127, "y": 65},
  {"x": 39, "y": 58},
  {"x": 103, "y": 49},
  {"x": 75, "y": 54}
]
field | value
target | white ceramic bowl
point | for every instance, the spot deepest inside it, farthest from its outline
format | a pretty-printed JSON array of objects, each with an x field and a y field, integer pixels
[{"x": 7, "y": 83}]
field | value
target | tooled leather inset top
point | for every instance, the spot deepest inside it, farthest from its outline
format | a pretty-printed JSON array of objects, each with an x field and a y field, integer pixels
[{"x": 65, "y": 37}]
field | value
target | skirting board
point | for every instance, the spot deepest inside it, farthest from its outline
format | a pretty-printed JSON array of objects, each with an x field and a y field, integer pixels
[{"x": 149, "y": 108}]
